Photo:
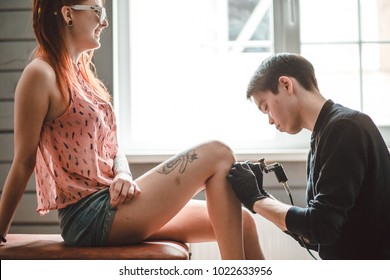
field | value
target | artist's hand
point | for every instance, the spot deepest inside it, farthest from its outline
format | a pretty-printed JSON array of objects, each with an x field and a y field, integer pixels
[
  {"x": 256, "y": 168},
  {"x": 244, "y": 184},
  {"x": 123, "y": 189}
]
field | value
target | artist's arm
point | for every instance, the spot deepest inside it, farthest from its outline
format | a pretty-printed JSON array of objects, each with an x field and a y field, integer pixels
[
  {"x": 342, "y": 163},
  {"x": 273, "y": 210}
]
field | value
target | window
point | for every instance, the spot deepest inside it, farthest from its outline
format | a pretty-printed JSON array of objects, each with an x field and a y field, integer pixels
[
  {"x": 349, "y": 45},
  {"x": 182, "y": 66}
]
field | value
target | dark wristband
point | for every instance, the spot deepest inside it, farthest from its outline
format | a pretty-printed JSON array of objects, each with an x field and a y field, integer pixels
[{"x": 2, "y": 238}]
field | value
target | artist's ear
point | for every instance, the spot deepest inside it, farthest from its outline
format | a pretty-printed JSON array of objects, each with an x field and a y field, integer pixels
[
  {"x": 67, "y": 14},
  {"x": 286, "y": 83}
]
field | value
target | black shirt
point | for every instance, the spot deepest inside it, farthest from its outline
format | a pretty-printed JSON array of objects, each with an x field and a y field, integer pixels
[{"x": 348, "y": 188}]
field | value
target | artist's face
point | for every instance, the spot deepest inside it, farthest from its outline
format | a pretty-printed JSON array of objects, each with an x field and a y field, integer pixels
[
  {"x": 282, "y": 109},
  {"x": 87, "y": 26}
]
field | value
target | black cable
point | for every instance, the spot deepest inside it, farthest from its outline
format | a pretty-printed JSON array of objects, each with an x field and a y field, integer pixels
[
  {"x": 307, "y": 249},
  {"x": 287, "y": 188},
  {"x": 282, "y": 178},
  {"x": 291, "y": 200}
]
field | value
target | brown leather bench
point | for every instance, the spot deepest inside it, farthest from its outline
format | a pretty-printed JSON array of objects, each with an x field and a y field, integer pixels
[{"x": 51, "y": 246}]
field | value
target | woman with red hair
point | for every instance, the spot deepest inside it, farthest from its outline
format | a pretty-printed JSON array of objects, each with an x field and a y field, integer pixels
[{"x": 65, "y": 130}]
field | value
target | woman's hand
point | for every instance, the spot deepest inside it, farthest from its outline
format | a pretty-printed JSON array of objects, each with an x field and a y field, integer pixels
[{"x": 123, "y": 189}]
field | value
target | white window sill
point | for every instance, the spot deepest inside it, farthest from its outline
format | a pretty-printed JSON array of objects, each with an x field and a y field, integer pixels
[{"x": 291, "y": 155}]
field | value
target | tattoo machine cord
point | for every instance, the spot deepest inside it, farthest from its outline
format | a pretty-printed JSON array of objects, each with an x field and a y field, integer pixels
[{"x": 282, "y": 178}]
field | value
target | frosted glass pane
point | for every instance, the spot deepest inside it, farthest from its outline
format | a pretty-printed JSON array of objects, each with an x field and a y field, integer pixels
[
  {"x": 329, "y": 21},
  {"x": 337, "y": 71},
  {"x": 375, "y": 20},
  {"x": 376, "y": 82}
]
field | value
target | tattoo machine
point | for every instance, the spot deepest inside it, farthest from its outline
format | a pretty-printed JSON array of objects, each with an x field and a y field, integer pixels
[{"x": 279, "y": 173}]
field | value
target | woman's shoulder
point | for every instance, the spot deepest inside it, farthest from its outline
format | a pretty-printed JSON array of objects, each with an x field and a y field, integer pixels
[
  {"x": 38, "y": 79},
  {"x": 40, "y": 70}
]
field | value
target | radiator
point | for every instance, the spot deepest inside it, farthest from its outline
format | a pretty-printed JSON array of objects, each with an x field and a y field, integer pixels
[{"x": 276, "y": 245}]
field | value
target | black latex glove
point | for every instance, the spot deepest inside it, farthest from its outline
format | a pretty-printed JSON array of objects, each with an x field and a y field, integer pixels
[
  {"x": 244, "y": 184},
  {"x": 256, "y": 168}
]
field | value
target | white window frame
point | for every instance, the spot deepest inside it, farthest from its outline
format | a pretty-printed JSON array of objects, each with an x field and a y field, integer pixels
[{"x": 287, "y": 40}]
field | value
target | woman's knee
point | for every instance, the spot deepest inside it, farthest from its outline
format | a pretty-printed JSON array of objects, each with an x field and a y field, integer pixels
[{"x": 219, "y": 152}]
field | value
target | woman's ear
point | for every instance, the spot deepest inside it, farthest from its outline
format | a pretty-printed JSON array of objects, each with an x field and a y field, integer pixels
[{"x": 67, "y": 15}]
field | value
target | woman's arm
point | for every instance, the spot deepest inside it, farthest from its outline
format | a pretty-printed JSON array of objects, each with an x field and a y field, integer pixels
[
  {"x": 120, "y": 164},
  {"x": 123, "y": 187},
  {"x": 32, "y": 97}
]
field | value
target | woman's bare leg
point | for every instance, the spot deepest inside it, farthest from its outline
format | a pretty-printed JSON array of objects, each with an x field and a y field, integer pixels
[
  {"x": 252, "y": 246},
  {"x": 202, "y": 230},
  {"x": 168, "y": 188}
]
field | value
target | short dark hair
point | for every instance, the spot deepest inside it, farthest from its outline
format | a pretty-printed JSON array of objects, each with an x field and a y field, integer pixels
[{"x": 266, "y": 76}]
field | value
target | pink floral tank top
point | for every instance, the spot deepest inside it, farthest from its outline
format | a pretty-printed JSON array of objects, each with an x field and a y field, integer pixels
[{"x": 75, "y": 156}]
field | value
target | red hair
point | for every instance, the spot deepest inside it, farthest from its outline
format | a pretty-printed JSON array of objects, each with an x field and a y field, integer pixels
[{"x": 48, "y": 25}]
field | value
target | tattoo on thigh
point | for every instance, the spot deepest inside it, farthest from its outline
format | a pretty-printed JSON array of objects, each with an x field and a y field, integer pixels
[{"x": 181, "y": 160}]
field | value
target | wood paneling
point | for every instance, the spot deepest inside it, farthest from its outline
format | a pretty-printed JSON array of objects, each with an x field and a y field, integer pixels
[
  {"x": 15, "y": 55},
  {"x": 15, "y": 4},
  {"x": 8, "y": 82},
  {"x": 26, "y": 212},
  {"x": 4, "y": 169},
  {"x": 6, "y": 116},
  {"x": 21, "y": 31},
  {"x": 34, "y": 229},
  {"x": 6, "y": 147}
]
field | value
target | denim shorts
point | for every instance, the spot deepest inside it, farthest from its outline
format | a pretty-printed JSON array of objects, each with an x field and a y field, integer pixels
[{"x": 87, "y": 222}]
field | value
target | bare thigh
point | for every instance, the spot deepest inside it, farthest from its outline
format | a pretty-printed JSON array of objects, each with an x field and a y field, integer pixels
[
  {"x": 192, "y": 224},
  {"x": 165, "y": 190}
]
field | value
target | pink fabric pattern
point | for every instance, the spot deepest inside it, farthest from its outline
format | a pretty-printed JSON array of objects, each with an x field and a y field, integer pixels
[{"x": 76, "y": 152}]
